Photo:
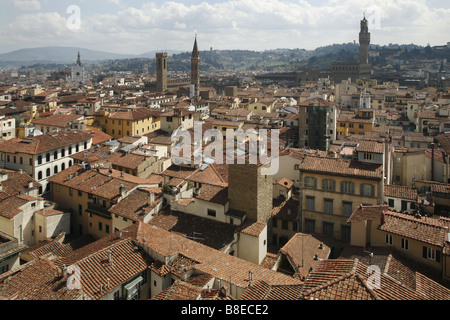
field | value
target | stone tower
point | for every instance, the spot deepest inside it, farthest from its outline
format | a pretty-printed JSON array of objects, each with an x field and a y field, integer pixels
[
  {"x": 79, "y": 59},
  {"x": 195, "y": 69},
  {"x": 161, "y": 71},
  {"x": 250, "y": 191},
  {"x": 364, "y": 42}
]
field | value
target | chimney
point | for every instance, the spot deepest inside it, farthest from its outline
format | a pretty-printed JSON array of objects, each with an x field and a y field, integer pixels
[
  {"x": 250, "y": 278},
  {"x": 122, "y": 190},
  {"x": 30, "y": 185},
  {"x": 382, "y": 218},
  {"x": 110, "y": 258},
  {"x": 151, "y": 198}
]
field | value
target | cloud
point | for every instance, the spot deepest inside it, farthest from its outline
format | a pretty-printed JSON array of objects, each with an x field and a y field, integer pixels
[
  {"x": 235, "y": 24},
  {"x": 32, "y": 5}
]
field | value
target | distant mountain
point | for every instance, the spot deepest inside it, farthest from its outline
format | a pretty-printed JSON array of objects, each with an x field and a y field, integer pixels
[{"x": 64, "y": 55}]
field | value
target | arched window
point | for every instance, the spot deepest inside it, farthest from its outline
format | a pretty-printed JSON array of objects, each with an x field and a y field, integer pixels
[
  {"x": 47, "y": 157},
  {"x": 55, "y": 155},
  {"x": 55, "y": 170},
  {"x": 77, "y": 148},
  {"x": 48, "y": 172},
  {"x": 40, "y": 175},
  {"x": 63, "y": 152},
  {"x": 63, "y": 167},
  {"x": 70, "y": 163},
  {"x": 40, "y": 160}
]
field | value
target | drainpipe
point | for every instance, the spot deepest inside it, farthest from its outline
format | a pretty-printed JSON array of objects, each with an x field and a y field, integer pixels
[{"x": 432, "y": 162}]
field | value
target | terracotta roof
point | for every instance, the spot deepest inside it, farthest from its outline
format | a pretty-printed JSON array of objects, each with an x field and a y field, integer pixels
[
  {"x": 339, "y": 166},
  {"x": 349, "y": 280},
  {"x": 16, "y": 183},
  {"x": 103, "y": 183},
  {"x": 370, "y": 146},
  {"x": 284, "y": 182},
  {"x": 209, "y": 261},
  {"x": 59, "y": 120},
  {"x": 43, "y": 143},
  {"x": 364, "y": 213},
  {"x": 215, "y": 234},
  {"x": 212, "y": 193},
  {"x": 134, "y": 114},
  {"x": 210, "y": 175},
  {"x": 428, "y": 230},
  {"x": 444, "y": 140},
  {"x": 261, "y": 290},
  {"x": 10, "y": 207},
  {"x": 179, "y": 290},
  {"x": 305, "y": 251},
  {"x": 285, "y": 209},
  {"x": 135, "y": 206},
  {"x": 98, "y": 136},
  {"x": 253, "y": 228},
  {"x": 402, "y": 192}
]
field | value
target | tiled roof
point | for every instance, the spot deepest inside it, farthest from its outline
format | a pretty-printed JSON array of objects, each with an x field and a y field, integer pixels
[
  {"x": 211, "y": 175},
  {"x": 261, "y": 290},
  {"x": 59, "y": 120},
  {"x": 284, "y": 182},
  {"x": 363, "y": 213},
  {"x": 402, "y": 192},
  {"x": 345, "y": 167},
  {"x": 253, "y": 228},
  {"x": 305, "y": 250},
  {"x": 10, "y": 207},
  {"x": 436, "y": 186},
  {"x": 444, "y": 140},
  {"x": 370, "y": 146},
  {"x": 349, "y": 280},
  {"x": 43, "y": 143},
  {"x": 135, "y": 206},
  {"x": 285, "y": 209},
  {"x": 179, "y": 290},
  {"x": 101, "y": 183},
  {"x": 215, "y": 234},
  {"x": 215, "y": 263},
  {"x": 98, "y": 136},
  {"x": 16, "y": 183},
  {"x": 134, "y": 114},
  {"x": 429, "y": 230},
  {"x": 212, "y": 193}
]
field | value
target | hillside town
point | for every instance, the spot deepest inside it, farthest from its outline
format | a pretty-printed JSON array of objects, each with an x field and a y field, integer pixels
[{"x": 101, "y": 200}]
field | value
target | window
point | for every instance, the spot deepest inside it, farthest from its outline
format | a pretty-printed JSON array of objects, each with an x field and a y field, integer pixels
[
  {"x": 80, "y": 210},
  {"x": 116, "y": 295},
  {"x": 40, "y": 229},
  {"x": 328, "y": 206},
  {"x": 328, "y": 184},
  {"x": 63, "y": 152},
  {"x": 47, "y": 157},
  {"x": 284, "y": 225},
  {"x": 77, "y": 148},
  {"x": 211, "y": 213},
  {"x": 404, "y": 205},
  {"x": 361, "y": 126},
  {"x": 310, "y": 182},
  {"x": 310, "y": 225},
  {"x": 367, "y": 190},
  {"x": 63, "y": 166},
  {"x": 347, "y": 187},
  {"x": 391, "y": 203},
  {"x": 69, "y": 151},
  {"x": 328, "y": 228},
  {"x": 405, "y": 244},
  {"x": 368, "y": 156},
  {"x": 40, "y": 175},
  {"x": 310, "y": 201},
  {"x": 40, "y": 160},
  {"x": 348, "y": 206},
  {"x": 100, "y": 226},
  {"x": 345, "y": 233},
  {"x": 48, "y": 172},
  {"x": 55, "y": 155},
  {"x": 80, "y": 193},
  {"x": 55, "y": 170},
  {"x": 388, "y": 239},
  {"x": 21, "y": 160},
  {"x": 4, "y": 269}
]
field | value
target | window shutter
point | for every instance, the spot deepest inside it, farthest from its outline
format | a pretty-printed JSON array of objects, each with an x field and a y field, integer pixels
[
  {"x": 438, "y": 256},
  {"x": 424, "y": 252}
]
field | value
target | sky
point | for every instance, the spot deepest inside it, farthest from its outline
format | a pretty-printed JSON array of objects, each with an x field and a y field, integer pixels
[{"x": 138, "y": 26}]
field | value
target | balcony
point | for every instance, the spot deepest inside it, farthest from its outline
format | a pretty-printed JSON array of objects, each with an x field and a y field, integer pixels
[{"x": 98, "y": 210}]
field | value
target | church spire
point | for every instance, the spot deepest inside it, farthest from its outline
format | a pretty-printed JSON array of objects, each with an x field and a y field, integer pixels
[
  {"x": 79, "y": 59},
  {"x": 195, "y": 52}
]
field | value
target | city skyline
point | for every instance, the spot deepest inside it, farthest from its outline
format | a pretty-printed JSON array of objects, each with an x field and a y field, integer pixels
[{"x": 135, "y": 27}]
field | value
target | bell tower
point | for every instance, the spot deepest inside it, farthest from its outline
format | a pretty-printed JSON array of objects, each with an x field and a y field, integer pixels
[
  {"x": 161, "y": 71},
  {"x": 364, "y": 42},
  {"x": 195, "y": 69}
]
